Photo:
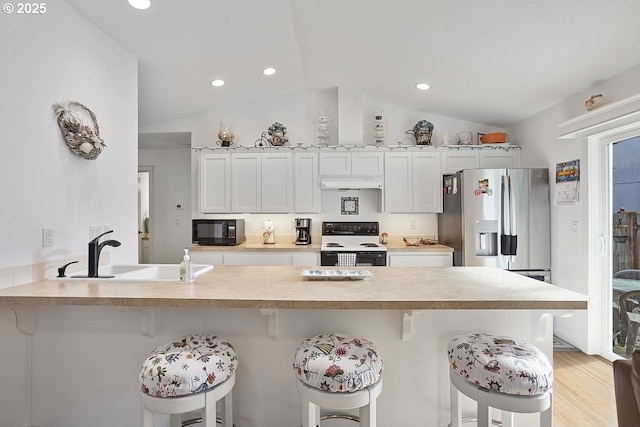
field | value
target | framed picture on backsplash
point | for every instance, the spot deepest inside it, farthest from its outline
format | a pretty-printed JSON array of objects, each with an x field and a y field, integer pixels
[{"x": 349, "y": 206}]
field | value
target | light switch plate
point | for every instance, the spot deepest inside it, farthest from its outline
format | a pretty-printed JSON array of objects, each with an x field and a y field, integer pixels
[{"x": 575, "y": 227}]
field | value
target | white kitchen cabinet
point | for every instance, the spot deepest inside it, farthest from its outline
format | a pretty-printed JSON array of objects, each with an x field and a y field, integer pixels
[
  {"x": 267, "y": 257},
  {"x": 413, "y": 182},
  {"x": 215, "y": 183},
  {"x": 262, "y": 182},
  {"x": 246, "y": 176},
  {"x": 335, "y": 163},
  {"x": 207, "y": 257},
  {"x": 493, "y": 159},
  {"x": 340, "y": 163},
  {"x": 307, "y": 197},
  {"x": 455, "y": 160},
  {"x": 257, "y": 258},
  {"x": 419, "y": 259},
  {"x": 367, "y": 163},
  {"x": 305, "y": 259},
  {"x": 277, "y": 182},
  {"x": 427, "y": 182},
  {"x": 473, "y": 158},
  {"x": 398, "y": 182}
]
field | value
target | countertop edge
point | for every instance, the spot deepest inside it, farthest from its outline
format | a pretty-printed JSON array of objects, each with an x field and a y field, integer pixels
[
  {"x": 294, "y": 304},
  {"x": 314, "y": 247}
]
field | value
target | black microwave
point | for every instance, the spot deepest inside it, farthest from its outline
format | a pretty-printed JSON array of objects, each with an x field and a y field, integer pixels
[{"x": 214, "y": 232}]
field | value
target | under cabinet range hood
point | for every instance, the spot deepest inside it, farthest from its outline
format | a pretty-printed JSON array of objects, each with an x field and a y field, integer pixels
[{"x": 351, "y": 182}]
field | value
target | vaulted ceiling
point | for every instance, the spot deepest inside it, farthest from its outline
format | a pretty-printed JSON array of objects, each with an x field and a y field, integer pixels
[{"x": 489, "y": 61}]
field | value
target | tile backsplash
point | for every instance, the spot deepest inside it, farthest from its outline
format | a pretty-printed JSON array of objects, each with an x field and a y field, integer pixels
[{"x": 21, "y": 274}]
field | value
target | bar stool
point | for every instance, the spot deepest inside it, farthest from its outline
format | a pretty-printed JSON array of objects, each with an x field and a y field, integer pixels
[
  {"x": 189, "y": 374},
  {"x": 499, "y": 372},
  {"x": 338, "y": 372}
]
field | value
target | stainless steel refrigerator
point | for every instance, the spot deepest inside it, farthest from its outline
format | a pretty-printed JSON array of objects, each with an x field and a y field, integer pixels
[{"x": 498, "y": 218}]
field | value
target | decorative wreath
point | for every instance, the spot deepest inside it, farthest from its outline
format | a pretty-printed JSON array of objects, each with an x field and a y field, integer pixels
[{"x": 79, "y": 128}]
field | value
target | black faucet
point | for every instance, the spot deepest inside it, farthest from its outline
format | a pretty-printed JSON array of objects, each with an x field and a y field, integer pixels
[{"x": 94, "y": 253}]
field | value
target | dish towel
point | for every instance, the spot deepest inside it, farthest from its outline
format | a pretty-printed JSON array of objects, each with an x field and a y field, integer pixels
[{"x": 346, "y": 259}]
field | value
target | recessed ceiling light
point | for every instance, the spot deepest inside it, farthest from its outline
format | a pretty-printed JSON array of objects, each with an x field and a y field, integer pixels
[
  {"x": 217, "y": 83},
  {"x": 140, "y": 4},
  {"x": 269, "y": 71},
  {"x": 422, "y": 86}
]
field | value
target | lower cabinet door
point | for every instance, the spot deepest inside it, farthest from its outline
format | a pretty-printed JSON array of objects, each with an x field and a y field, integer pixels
[
  {"x": 257, "y": 258},
  {"x": 306, "y": 259}
]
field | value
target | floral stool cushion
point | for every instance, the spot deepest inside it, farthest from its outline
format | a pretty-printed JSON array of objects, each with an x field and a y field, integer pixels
[
  {"x": 337, "y": 363},
  {"x": 188, "y": 365},
  {"x": 501, "y": 363}
]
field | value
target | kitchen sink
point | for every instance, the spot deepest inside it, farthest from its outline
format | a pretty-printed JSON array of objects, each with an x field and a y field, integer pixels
[{"x": 139, "y": 272}]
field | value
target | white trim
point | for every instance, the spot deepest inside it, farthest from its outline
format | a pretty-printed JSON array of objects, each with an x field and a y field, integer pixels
[
  {"x": 602, "y": 126},
  {"x": 606, "y": 118},
  {"x": 603, "y": 144}
]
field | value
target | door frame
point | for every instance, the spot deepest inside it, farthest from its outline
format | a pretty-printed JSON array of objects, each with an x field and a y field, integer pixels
[
  {"x": 148, "y": 169},
  {"x": 601, "y": 233}
]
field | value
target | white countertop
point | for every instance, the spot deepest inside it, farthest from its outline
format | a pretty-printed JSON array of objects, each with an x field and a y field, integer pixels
[{"x": 396, "y": 288}]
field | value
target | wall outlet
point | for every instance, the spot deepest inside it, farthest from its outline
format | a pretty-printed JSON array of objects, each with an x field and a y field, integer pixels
[
  {"x": 47, "y": 237},
  {"x": 412, "y": 224}
]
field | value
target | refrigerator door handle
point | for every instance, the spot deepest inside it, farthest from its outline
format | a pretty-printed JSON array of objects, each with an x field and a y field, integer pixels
[
  {"x": 506, "y": 224},
  {"x": 505, "y": 237},
  {"x": 513, "y": 213},
  {"x": 508, "y": 240}
]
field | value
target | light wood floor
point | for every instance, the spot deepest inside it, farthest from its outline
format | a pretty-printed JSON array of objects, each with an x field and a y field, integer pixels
[{"x": 583, "y": 391}]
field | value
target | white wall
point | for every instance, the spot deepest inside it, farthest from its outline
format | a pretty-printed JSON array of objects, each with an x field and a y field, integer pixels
[
  {"x": 46, "y": 59},
  {"x": 541, "y": 147},
  {"x": 170, "y": 227}
]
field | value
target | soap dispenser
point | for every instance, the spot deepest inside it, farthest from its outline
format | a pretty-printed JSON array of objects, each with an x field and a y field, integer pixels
[{"x": 186, "y": 268}]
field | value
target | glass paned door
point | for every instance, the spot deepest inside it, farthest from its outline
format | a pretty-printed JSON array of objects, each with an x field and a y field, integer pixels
[{"x": 625, "y": 247}]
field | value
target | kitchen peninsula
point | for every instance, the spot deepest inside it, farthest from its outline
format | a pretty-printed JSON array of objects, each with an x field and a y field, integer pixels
[{"x": 411, "y": 313}]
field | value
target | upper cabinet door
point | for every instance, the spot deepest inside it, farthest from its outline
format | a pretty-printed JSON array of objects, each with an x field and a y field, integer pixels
[
  {"x": 453, "y": 161},
  {"x": 277, "y": 182},
  {"x": 413, "y": 182},
  {"x": 367, "y": 163},
  {"x": 246, "y": 175},
  {"x": 215, "y": 183},
  {"x": 306, "y": 183},
  {"x": 427, "y": 182},
  {"x": 335, "y": 163},
  {"x": 499, "y": 159},
  {"x": 398, "y": 182}
]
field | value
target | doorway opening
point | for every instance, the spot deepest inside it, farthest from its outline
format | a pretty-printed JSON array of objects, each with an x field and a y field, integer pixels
[{"x": 144, "y": 215}]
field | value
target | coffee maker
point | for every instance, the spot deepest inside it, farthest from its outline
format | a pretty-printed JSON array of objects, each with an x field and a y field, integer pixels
[{"x": 303, "y": 231}]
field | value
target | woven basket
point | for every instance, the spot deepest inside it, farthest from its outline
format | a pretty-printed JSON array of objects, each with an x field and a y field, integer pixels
[{"x": 79, "y": 128}]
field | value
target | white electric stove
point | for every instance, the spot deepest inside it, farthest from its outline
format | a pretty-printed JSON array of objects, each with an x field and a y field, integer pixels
[{"x": 347, "y": 244}]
